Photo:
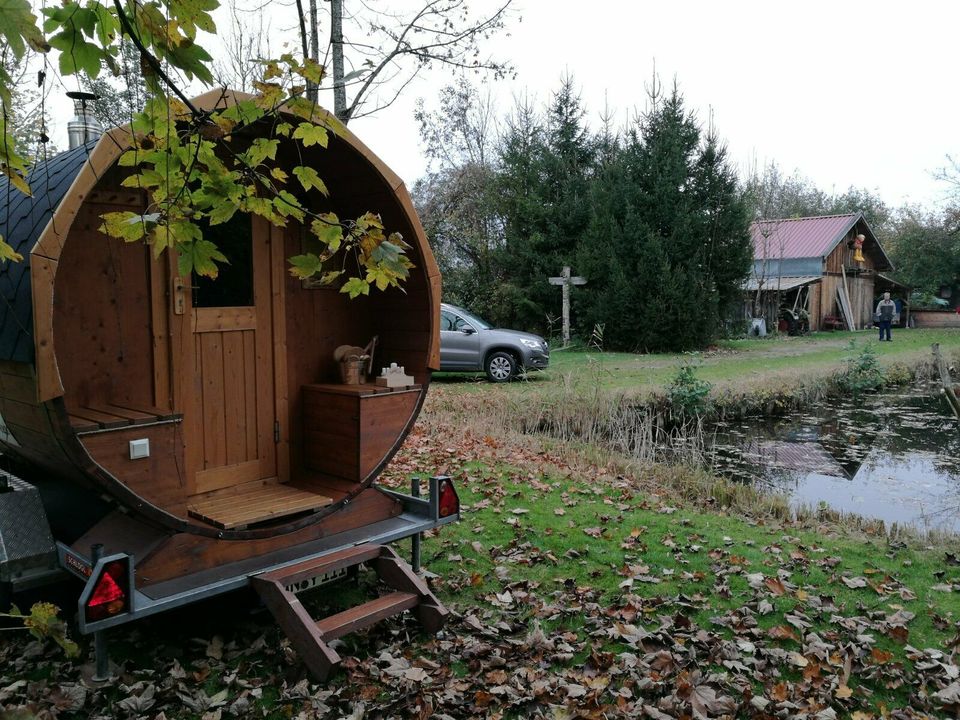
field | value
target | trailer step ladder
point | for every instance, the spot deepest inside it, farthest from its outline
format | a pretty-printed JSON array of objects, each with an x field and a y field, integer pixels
[{"x": 310, "y": 637}]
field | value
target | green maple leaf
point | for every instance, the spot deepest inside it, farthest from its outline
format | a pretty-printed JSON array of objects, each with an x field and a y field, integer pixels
[
  {"x": 305, "y": 266},
  {"x": 201, "y": 257},
  {"x": 287, "y": 205},
  {"x": 309, "y": 178},
  {"x": 328, "y": 230},
  {"x": 221, "y": 211},
  {"x": 76, "y": 54},
  {"x": 18, "y": 26},
  {"x": 311, "y": 134},
  {"x": 262, "y": 149},
  {"x": 312, "y": 71},
  {"x": 328, "y": 277},
  {"x": 126, "y": 225},
  {"x": 192, "y": 59},
  {"x": 385, "y": 252},
  {"x": 194, "y": 14},
  {"x": 43, "y": 622},
  {"x": 355, "y": 287}
]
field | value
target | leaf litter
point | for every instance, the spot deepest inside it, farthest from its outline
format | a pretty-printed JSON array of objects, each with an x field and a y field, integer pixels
[{"x": 730, "y": 629}]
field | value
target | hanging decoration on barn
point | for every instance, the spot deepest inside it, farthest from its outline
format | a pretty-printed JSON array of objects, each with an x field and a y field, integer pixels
[{"x": 858, "y": 250}]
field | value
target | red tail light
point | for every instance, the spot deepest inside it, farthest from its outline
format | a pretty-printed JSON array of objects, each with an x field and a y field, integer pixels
[
  {"x": 111, "y": 593},
  {"x": 449, "y": 500}
]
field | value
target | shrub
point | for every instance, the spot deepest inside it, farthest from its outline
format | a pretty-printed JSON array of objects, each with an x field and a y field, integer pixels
[
  {"x": 862, "y": 372},
  {"x": 898, "y": 374},
  {"x": 688, "y": 393}
]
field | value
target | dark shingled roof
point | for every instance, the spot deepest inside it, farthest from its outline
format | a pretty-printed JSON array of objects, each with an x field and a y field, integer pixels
[{"x": 22, "y": 219}]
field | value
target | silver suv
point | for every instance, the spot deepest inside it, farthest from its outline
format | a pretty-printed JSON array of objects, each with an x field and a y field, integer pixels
[{"x": 468, "y": 344}]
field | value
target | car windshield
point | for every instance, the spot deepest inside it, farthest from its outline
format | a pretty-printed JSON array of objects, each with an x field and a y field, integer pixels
[{"x": 477, "y": 323}]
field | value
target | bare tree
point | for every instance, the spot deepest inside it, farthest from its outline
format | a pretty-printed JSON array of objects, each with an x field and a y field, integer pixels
[
  {"x": 950, "y": 174},
  {"x": 25, "y": 119},
  {"x": 246, "y": 42},
  {"x": 764, "y": 191},
  {"x": 375, "y": 54},
  {"x": 462, "y": 129},
  {"x": 456, "y": 197}
]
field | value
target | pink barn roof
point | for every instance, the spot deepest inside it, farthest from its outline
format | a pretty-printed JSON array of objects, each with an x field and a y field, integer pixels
[{"x": 800, "y": 237}]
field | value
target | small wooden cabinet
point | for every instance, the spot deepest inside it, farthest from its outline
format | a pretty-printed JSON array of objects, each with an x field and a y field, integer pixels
[{"x": 349, "y": 429}]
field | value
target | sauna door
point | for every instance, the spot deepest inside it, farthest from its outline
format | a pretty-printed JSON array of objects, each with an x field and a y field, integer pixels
[{"x": 229, "y": 396}]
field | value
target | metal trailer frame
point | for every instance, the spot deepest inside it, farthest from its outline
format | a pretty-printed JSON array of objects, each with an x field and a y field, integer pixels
[{"x": 418, "y": 516}]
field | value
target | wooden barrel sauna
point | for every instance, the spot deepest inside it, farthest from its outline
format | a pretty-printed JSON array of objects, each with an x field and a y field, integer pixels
[{"x": 193, "y": 423}]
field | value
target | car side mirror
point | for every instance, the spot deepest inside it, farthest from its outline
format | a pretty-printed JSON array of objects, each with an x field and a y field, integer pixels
[{"x": 468, "y": 330}]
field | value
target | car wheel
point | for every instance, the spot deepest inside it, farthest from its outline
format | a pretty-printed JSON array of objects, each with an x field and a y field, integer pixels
[{"x": 501, "y": 366}]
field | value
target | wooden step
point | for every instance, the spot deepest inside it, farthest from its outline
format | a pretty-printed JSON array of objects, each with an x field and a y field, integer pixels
[
  {"x": 370, "y": 613},
  {"x": 310, "y": 638}
]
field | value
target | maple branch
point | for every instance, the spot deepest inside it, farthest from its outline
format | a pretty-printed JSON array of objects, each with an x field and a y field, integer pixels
[{"x": 152, "y": 61}]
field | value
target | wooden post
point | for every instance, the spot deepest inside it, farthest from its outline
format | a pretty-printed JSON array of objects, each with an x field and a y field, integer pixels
[
  {"x": 565, "y": 281},
  {"x": 848, "y": 310},
  {"x": 946, "y": 380}
]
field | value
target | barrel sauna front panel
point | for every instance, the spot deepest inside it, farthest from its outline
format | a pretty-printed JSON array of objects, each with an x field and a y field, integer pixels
[
  {"x": 349, "y": 429},
  {"x": 157, "y": 478}
]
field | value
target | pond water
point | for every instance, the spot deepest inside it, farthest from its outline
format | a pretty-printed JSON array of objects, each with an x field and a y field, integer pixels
[{"x": 894, "y": 456}]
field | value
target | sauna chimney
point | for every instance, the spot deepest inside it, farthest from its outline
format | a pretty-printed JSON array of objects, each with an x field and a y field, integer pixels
[{"x": 84, "y": 127}]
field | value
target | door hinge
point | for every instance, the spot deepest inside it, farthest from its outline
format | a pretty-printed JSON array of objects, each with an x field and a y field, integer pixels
[{"x": 276, "y": 431}]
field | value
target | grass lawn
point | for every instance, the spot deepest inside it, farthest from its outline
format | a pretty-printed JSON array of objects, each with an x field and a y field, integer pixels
[
  {"x": 571, "y": 597},
  {"x": 731, "y": 361},
  {"x": 788, "y": 616}
]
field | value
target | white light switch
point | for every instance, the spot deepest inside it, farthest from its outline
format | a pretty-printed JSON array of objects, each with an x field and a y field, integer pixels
[{"x": 139, "y": 448}]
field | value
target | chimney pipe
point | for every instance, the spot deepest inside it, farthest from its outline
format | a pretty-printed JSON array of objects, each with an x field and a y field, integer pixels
[{"x": 84, "y": 127}]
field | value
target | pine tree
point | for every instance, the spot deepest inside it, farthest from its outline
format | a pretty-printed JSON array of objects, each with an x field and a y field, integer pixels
[
  {"x": 546, "y": 169},
  {"x": 522, "y": 208},
  {"x": 667, "y": 246}
]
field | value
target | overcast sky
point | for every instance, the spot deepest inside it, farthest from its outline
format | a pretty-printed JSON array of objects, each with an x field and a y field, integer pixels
[{"x": 848, "y": 93}]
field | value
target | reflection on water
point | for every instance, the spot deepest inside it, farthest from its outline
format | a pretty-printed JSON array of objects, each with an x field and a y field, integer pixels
[{"x": 893, "y": 456}]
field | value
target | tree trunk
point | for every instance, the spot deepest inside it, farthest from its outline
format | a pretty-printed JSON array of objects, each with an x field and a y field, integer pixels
[
  {"x": 314, "y": 46},
  {"x": 336, "y": 47}
]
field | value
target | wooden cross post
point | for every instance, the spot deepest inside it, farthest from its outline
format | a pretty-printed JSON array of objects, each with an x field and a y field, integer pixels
[{"x": 565, "y": 281}]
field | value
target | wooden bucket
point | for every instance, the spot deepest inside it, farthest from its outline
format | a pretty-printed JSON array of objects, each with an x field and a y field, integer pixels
[{"x": 352, "y": 371}]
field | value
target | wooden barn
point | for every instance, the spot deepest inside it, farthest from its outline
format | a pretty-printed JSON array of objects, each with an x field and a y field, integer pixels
[
  {"x": 202, "y": 427},
  {"x": 829, "y": 267}
]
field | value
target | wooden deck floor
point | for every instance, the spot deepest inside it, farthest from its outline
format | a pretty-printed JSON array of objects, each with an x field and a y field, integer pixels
[{"x": 258, "y": 504}]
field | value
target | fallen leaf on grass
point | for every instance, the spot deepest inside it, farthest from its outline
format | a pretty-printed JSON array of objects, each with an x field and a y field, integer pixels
[
  {"x": 775, "y": 586},
  {"x": 854, "y": 582},
  {"x": 949, "y": 695},
  {"x": 782, "y": 632}
]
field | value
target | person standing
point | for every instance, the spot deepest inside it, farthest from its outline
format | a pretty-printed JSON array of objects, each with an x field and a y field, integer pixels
[{"x": 886, "y": 309}]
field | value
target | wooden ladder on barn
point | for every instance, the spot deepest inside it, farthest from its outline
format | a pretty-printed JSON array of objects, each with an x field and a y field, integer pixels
[{"x": 311, "y": 637}]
